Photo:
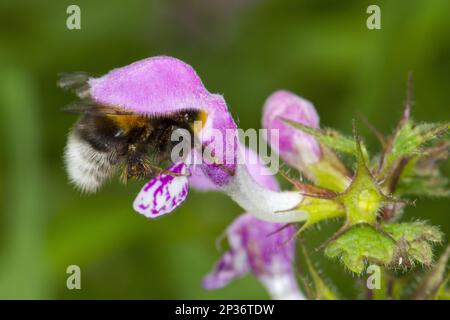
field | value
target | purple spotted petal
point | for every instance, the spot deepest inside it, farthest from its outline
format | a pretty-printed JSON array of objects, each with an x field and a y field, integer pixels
[
  {"x": 294, "y": 146},
  {"x": 233, "y": 264},
  {"x": 163, "y": 193},
  {"x": 265, "y": 250}
]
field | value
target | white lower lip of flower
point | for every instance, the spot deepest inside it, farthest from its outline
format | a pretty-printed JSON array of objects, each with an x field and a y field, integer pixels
[
  {"x": 280, "y": 284},
  {"x": 263, "y": 203},
  {"x": 280, "y": 288}
]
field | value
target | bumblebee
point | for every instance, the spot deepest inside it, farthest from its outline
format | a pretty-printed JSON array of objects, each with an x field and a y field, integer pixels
[{"x": 107, "y": 139}]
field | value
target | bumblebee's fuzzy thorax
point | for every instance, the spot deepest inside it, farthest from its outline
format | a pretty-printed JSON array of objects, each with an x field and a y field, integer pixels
[
  {"x": 128, "y": 122},
  {"x": 114, "y": 136},
  {"x": 104, "y": 140}
]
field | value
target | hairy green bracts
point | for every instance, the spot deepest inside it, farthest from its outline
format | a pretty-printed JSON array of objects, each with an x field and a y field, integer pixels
[{"x": 370, "y": 201}]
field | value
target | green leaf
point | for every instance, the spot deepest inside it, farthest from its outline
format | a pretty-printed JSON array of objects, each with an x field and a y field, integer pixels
[
  {"x": 329, "y": 137},
  {"x": 415, "y": 240},
  {"x": 428, "y": 186},
  {"x": 410, "y": 137},
  {"x": 422, "y": 177},
  {"x": 414, "y": 231},
  {"x": 399, "y": 245},
  {"x": 359, "y": 245}
]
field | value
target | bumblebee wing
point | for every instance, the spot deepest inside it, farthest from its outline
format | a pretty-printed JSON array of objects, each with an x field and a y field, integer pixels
[
  {"x": 77, "y": 82},
  {"x": 89, "y": 107}
]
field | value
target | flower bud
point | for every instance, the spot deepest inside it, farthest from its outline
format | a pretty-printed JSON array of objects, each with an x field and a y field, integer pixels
[{"x": 295, "y": 147}]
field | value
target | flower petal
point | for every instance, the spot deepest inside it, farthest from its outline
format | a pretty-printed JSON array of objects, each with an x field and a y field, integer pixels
[
  {"x": 163, "y": 193},
  {"x": 254, "y": 189},
  {"x": 264, "y": 249},
  {"x": 295, "y": 147},
  {"x": 231, "y": 265},
  {"x": 201, "y": 182},
  {"x": 163, "y": 85},
  {"x": 270, "y": 253},
  {"x": 264, "y": 203},
  {"x": 282, "y": 286},
  {"x": 156, "y": 85},
  {"x": 220, "y": 138},
  {"x": 259, "y": 172}
]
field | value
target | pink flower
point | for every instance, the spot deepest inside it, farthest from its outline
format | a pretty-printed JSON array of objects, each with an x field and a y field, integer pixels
[
  {"x": 159, "y": 86},
  {"x": 262, "y": 248},
  {"x": 265, "y": 249},
  {"x": 298, "y": 149}
]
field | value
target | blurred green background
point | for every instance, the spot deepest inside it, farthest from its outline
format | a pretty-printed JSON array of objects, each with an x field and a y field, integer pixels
[{"x": 244, "y": 49}]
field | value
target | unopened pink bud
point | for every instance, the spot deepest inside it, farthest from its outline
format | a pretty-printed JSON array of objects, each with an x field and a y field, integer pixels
[{"x": 295, "y": 147}]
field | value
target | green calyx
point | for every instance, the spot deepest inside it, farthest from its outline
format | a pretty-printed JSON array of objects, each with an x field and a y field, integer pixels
[
  {"x": 320, "y": 209},
  {"x": 359, "y": 203},
  {"x": 327, "y": 175},
  {"x": 363, "y": 240},
  {"x": 408, "y": 164},
  {"x": 363, "y": 198}
]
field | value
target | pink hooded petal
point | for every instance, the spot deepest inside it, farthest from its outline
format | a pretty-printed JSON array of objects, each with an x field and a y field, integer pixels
[
  {"x": 219, "y": 137},
  {"x": 294, "y": 146},
  {"x": 156, "y": 86},
  {"x": 163, "y": 193},
  {"x": 163, "y": 85}
]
